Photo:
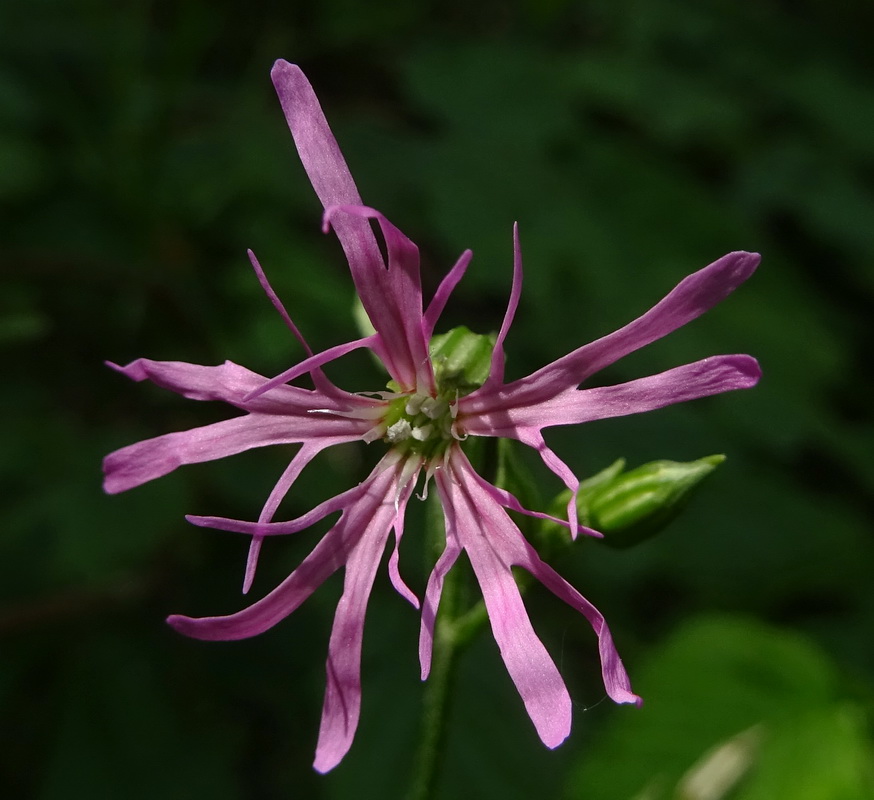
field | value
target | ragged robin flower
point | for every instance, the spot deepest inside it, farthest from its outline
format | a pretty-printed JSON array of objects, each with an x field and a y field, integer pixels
[{"x": 422, "y": 423}]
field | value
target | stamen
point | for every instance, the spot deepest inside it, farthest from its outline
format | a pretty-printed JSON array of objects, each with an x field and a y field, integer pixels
[
  {"x": 414, "y": 404},
  {"x": 434, "y": 407},
  {"x": 398, "y": 432},
  {"x": 422, "y": 423},
  {"x": 423, "y": 432}
]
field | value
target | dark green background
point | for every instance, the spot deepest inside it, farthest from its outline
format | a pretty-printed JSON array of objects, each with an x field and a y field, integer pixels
[{"x": 142, "y": 150}]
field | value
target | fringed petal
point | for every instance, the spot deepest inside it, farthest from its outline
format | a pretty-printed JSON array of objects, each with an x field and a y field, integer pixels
[
  {"x": 307, "y": 452},
  {"x": 342, "y": 704},
  {"x": 144, "y": 461},
  {"x": 444, "y": 290},
  {"x": 433, "y": 592},
  {"x": 704, "y": 378},
  {"x": 367, "y": 512},
  {"x": 494, "y": 542},
  {"x": 311, "y": 364},
  {"x": 326, "y": 558},
  {"x": 474, "y": 519},
  {"x": 496, "y": 371},
  {"x": 406, "y": 484},
  {"x": 233, "y": 384},
  {"x": 693, "y": 296},
  {"x": 392, "y": 299},
  {"x": 326, "y": 168}
]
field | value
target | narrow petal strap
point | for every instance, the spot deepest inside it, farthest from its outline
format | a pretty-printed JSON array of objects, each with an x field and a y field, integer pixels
[
  {"x": 704, "y": 378},
  {"x": 532, "y": 670},
  {"x": 693, "y": 296},
  {"x": 392, "y": 299}
]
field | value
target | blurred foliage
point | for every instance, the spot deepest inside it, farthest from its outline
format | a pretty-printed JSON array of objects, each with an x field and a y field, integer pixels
[
  {"x": 758, "y": 706},
  {"x": 142, "y": 151}
]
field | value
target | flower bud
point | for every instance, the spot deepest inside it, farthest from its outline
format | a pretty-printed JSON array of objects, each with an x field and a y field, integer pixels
[
  {"x": 461, "y": 359},
  {"x": 635, "y": 505}
]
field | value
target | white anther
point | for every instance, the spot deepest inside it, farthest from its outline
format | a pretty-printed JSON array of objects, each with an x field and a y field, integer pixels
[
  {"x": 423, "y": 432},
  {"x": 433, "y": 407},
  {"x": 398, "y": 432},
  {"x": 415, "y": 403}
]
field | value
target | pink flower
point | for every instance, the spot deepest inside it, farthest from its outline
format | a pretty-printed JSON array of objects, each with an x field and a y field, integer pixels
[{"x": 424, "y": 424}]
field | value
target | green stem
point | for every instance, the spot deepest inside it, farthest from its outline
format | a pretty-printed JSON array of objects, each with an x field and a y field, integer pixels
[
  {"x": 436, "y": 700},
  {"x": 455, "y": 626},
  {"x": 435, "y": 712}
]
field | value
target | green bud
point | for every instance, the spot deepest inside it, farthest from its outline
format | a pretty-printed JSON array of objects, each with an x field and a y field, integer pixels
[
  {"x": 551, "y": 533},
  {"x": 629, "y": 507},
  {"x": 635, "y": 505},
  {"x": 461, "y": 359},
  {"x": 598, "y": 480}
]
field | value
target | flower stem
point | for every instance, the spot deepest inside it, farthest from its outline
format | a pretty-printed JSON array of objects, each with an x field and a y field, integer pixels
[
  {"x": 456, "y": 624},
  {"x": 435, "y": 713},
  {"x": 436, "y": 699}
]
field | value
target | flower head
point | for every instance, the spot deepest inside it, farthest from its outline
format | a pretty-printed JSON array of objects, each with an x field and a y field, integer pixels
[{"x": 422, "y": 421}]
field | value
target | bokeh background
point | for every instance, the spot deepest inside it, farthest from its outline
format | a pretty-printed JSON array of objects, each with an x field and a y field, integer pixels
[{"x": 142, "y": 150}]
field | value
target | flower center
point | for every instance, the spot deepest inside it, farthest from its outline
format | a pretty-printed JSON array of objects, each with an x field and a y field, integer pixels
[{"x": 420, "y": 423}]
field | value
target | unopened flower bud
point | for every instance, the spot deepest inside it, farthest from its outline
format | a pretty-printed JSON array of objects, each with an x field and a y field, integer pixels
[
  {"x": 635, "y": 505},
  {"x": 462, "y": 358}
]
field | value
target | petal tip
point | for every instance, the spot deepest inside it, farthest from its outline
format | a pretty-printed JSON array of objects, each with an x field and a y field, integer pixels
[
  {"x": 558, "y": 731},
  {"x": 281, "y": 66},
  {"x": 749, "y": 371},
  {"x": 179, "y": 623},
  {"x": 745, "y": 263},
  {"x": 324, "y": 764}
]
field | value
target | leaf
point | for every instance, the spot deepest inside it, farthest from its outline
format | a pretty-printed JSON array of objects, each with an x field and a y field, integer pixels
[{"x": 713, "y": 683}]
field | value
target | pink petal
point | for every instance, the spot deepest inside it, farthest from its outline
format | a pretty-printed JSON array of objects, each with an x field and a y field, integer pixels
[
  {"x": 277, "y": 303},
  {"x": 232, "y": 384},
  {"x": 367, "y": 512},
  {"x": 703, "y": 378},
  {"x": 407, "y": 483},
  {"x": 474, "y": 522},
  {"x": 324, "y": 164},
  {"x": 615, "y": 677},
  {"x": 405, "y": 354},
  {"x": 438, "y": 301},
  {"x": 432, "y": 599},
  {"x": 342, "y": 703},
  {"x": 507, "y": 500},
  {"x": 307, "y": 452},
  {"x": 311, "y": 364},
  {"x": 144, "y": 461},
  {"x": 496, "y": 371},
  {"x": 326, "y": 558},
  {"x": 487, "y": 521},
  {"x": 689, "y": 299},
  {"x": 392, "y": 299},
  {"x": 318, "y": 149},
  {"x": 327, "y": 170},
  {"x": 534, "y": 439},
  {"x": 349, "y": 499}
]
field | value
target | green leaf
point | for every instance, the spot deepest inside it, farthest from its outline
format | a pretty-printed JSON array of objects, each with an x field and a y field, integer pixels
[{"x": 725, "y": 692}]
